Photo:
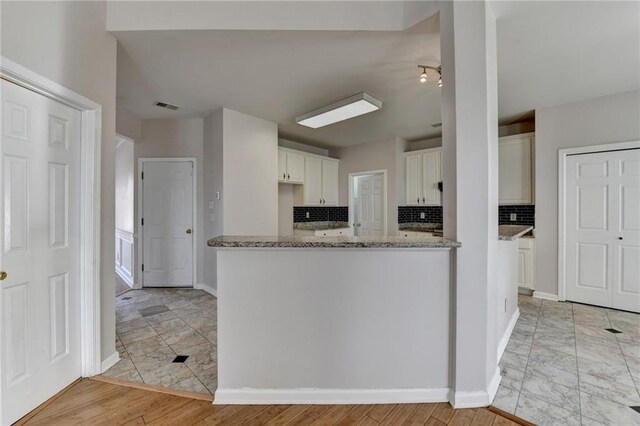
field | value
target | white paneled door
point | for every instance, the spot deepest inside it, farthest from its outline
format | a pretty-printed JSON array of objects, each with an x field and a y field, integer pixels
[
  {"x": 603, "y": 229},
  {"x": 40, "y": 296},
  {"x": 167, "y": 223},
  {"x": 370, "y": 215}
]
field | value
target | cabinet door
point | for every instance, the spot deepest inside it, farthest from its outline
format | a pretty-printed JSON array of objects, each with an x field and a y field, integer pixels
[
  {"x": 515, "y": 171},
  {"x": 413, "y": 180},
  {"x": 431, "y": 176},
  {"x": 329, "y": 183},
  {"x": 312, "y": 187},
  {"x": 282, "y": 165},
  {"x": 295, "y": 167}
]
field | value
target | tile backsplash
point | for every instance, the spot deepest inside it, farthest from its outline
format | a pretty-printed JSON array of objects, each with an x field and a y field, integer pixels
[
  {"x": 432, "y": 214},
  {"x": 321, "y": 214},
  {"x": 525, "y": 214}
]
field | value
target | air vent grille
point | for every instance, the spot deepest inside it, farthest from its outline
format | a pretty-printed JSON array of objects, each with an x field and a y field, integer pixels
[{"x": 166, "y": 105}]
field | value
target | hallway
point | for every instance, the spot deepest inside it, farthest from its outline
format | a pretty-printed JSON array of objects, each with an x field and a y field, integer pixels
[{"x": 572, "y": 364}]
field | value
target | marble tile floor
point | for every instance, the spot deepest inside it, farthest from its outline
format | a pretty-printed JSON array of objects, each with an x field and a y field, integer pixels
[
  {"x": 563, "y": 367},
  {"x": 154, "y": 326}
]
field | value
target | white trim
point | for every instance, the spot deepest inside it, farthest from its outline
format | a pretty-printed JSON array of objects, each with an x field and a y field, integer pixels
[
  {"x": 422, "y": 151},
  {"x": 562, "y": 206},
  {"x": 329, "y": 396},
  {"x": 478, "y": 398},
  {"x": 110, "y": 361},
  {"x": 128, "y": 237},
  {"x": 545, "y": 296},
  {"x": 212, "y": 291},
  {"x": 195, "y": 230},
  {"x": 351, "y": 180},
  {"x": 305, "y": 153},
  {"x": 122, "y": 139},
  {"x": 89, "y": 218},
  {"x": 502, "y": 345}
]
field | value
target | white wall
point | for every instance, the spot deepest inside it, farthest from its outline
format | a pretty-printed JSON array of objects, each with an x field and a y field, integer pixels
[
  {"x": 384, "y": 154},
  {"x": 241, "y": 163},
  {"x": 178, "y": 138},
  {"x": 67, "y": 42},
  {"x": 128, "y": 124},
  {"x": 124, "y": 185},
  {"x": 285, "y": 209},
  {"x": 593, "y": 122}
]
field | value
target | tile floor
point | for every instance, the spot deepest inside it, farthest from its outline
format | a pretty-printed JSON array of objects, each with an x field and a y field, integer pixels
[
  {"x": 562, "y": 365},
  {"x": 154, "y": 326}
]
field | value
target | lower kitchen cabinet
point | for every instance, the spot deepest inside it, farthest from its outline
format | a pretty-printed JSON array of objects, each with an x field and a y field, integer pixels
[{"x": 526, "y": 263}]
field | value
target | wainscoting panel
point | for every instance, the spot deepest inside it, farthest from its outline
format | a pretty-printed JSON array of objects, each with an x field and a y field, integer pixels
[{"x": 125, "y": 256}]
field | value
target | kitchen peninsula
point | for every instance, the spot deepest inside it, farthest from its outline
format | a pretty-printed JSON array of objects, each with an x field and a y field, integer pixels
[{"x": 333, "y": 319}]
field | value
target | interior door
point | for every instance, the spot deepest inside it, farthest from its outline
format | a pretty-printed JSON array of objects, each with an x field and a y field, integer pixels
[
  {"x": 371, "y": 205},
  {"x": 40, "y": 297},
  {"x": 167, "y": 227},
  {"x": 603, "y": 229}
]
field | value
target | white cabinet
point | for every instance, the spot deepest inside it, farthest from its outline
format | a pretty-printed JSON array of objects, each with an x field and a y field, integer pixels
[
  {"x": 340, "y": 232},
  {"x": 423, "y": 177},
  {"x": 290, "y": 166},
  {"x": 414, "y": 234},
  {"x": 320, "y": 182},
  {"x": 516, "y": 169},
  {"x": 526, "y": 263},
  {"x": 329, "y": 183}
]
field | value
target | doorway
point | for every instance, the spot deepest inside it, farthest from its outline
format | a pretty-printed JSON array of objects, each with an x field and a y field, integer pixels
[
  {"x": 125, "y": 236},
  {"x": 600, "y": 227},
  {"x": 167, "y": 217},
  {"x": 368, "y": 203}
]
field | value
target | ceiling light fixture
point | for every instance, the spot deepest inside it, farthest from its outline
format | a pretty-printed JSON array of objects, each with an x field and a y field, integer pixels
[
  {"x": 423, "y": 76},
  {"x": 353, "y": 106}
]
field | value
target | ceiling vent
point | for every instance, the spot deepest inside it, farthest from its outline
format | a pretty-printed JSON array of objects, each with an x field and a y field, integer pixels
[{"x": 166, "y": 105}]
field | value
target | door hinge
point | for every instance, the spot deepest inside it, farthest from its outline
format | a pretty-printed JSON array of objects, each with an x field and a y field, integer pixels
[
  {"x": 142, "y": 175},
  {"x": 142, "y": 221},
  {"x": 143, "y": 267}
]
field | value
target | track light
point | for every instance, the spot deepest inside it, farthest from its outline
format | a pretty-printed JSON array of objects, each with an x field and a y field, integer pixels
[{"x": 423, "y": 76}]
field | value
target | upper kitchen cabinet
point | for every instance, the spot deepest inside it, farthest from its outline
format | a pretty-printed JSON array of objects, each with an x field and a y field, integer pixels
[
  {"x": 516, "y": 169},
  {"x": 290, "y": 166},
  {"x": 320, "y": 181},
  {"x": 423, "y": 177}
]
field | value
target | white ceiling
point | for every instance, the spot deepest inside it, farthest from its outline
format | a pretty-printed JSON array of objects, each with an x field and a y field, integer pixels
[{"x": 548, "y": 53}]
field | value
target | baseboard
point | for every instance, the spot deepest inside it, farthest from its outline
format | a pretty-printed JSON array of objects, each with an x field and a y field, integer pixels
[
  {"x": 546, "y": 296},
  {"x": 502, "y": 345},
  {"x": 110, "y": 361},
  {"x": 127, "y": 278},
  {"x": 525, "y": 291},
  {"x": 329, "y": 396},
  {"x": 479, "y": 398},
  {"x": 212, "y": 291}
]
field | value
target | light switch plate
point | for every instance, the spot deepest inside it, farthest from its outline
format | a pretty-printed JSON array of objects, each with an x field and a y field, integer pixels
[
  {"x": 218, "y": 195},
  {"x": 210, "y": 204},
  {"x": 513, "y": 217},
  {"x": 422, "y": 215}
]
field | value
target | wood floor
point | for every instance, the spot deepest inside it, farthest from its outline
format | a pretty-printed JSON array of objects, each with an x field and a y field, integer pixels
[{"x": 92, "y": 402}]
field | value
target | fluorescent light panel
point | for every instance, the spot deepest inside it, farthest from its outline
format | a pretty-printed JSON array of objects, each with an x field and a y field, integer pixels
[{"x": 353, "y": 106}]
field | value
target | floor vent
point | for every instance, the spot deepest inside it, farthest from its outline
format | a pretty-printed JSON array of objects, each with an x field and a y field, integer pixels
[
  {"x": 180, "y": 358},
  {"x": 613, "y": 330}
]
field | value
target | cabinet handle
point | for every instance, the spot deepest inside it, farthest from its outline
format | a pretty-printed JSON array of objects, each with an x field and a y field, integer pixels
[
  {"x": 288, "y": 177},
  {"x": 423, "y": 201},
  {"x": 284, "y": 176},
  {"x": 418, "y": 200}
]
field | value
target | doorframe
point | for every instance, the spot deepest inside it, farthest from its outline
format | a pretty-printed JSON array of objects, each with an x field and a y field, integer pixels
[
  {"x": 352, "y": 181},
  {"x": 562, "y": 201},
  {"x": 139, "y": 227},
  {"x": 90, "y": 219}
]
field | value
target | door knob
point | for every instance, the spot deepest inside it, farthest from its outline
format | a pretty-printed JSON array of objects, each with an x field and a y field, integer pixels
[
  {"x": 618, "y": 238},
  {"x": 3, "y": 275},
  {"x": 188, "y": 231}
]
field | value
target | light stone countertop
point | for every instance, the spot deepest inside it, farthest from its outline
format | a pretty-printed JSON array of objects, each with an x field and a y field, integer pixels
[
  {"x": 231, "y": 241},
  {"x": 319, "y": 226},
  {"x": 512, "y": 232},
  {"x": 420, "y": 227}
]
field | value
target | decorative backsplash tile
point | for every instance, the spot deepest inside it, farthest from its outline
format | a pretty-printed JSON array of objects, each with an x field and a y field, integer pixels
[
  {"x": 525, "y": 215},
  {"x": 321, "y": 214},
  {"x": 432, "y": 214}
]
